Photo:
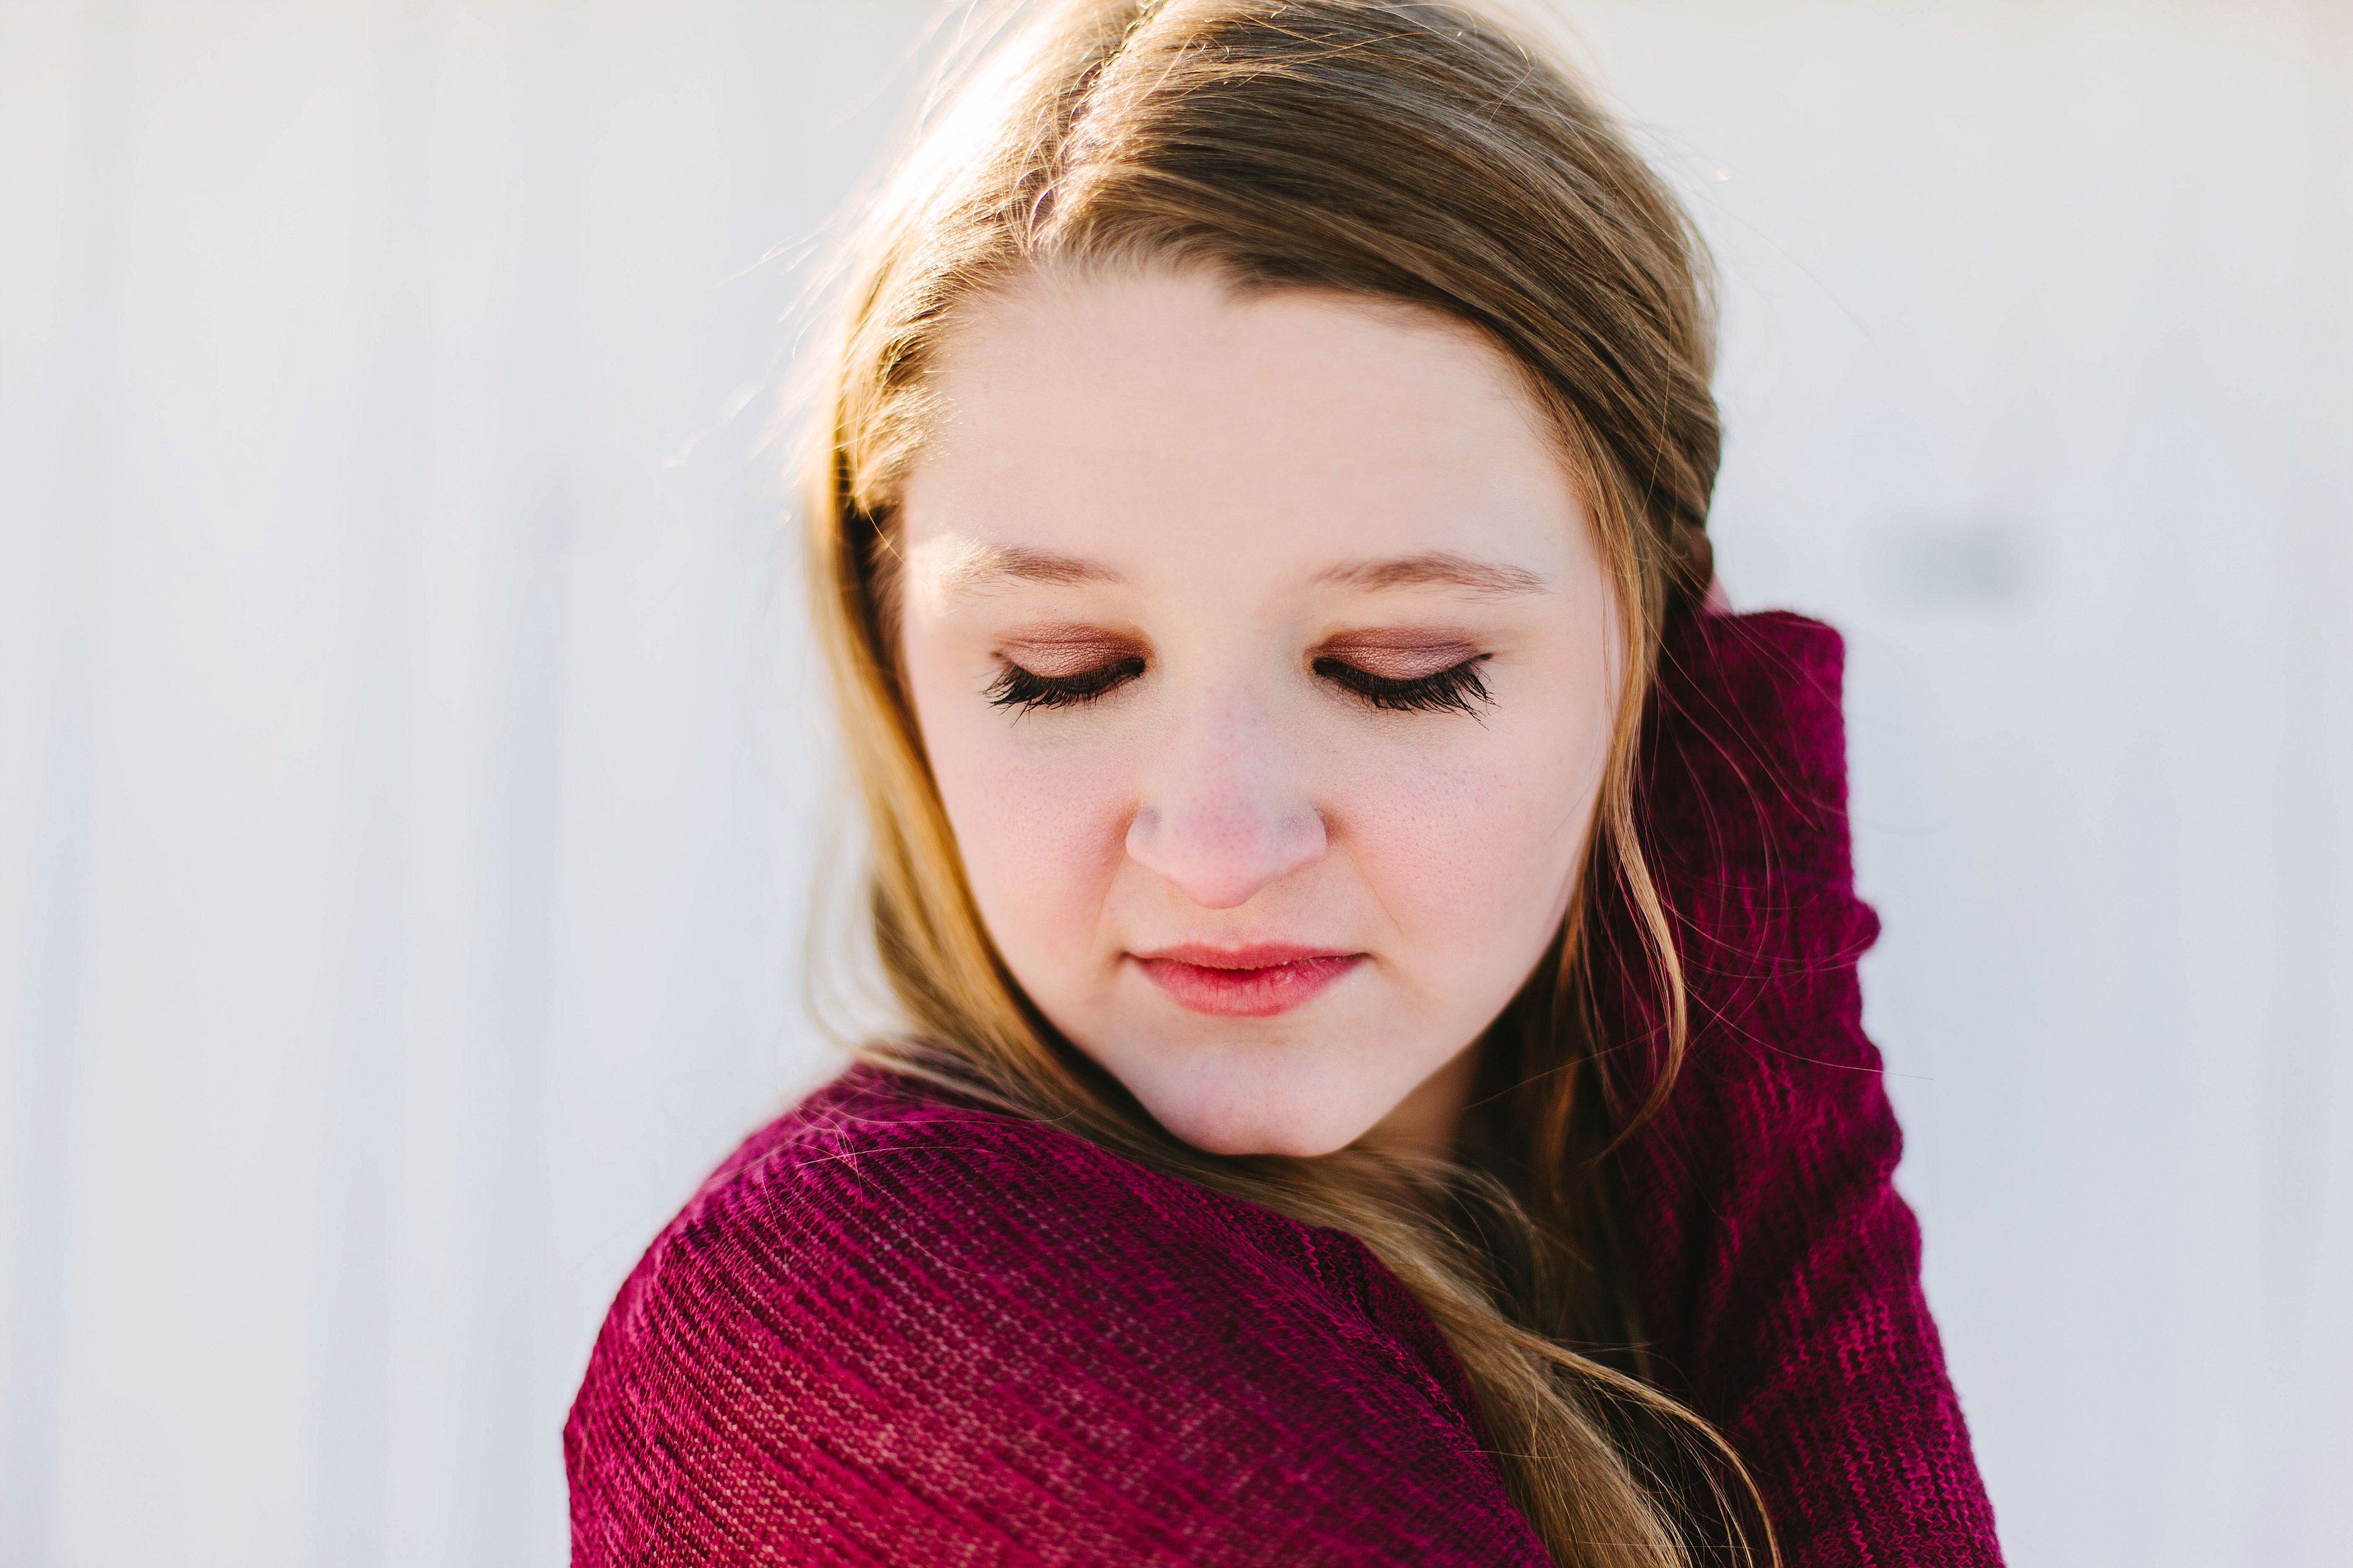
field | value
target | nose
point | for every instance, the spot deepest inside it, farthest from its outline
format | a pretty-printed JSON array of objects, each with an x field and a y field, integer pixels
[{"x": 1223, "y": 817}]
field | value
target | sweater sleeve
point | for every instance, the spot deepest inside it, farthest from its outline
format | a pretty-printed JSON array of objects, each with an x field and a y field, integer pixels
[
  {"x": 1776, "y": 1268},
  {"x": 940, "y": 1336}
]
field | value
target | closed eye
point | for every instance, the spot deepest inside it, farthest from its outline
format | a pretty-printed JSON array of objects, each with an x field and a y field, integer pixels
[
  {"x": 1024, "y": 689},
  {"x": 1455, "y": 689}
]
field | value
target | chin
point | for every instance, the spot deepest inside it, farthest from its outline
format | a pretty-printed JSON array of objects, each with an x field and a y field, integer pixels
[{"x": 1217, "y": 1124}]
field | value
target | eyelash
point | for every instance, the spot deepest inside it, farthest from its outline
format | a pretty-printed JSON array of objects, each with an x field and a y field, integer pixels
[
  {"x": 1458, "y": 690},
  {"x": 1026, "y": 689}
]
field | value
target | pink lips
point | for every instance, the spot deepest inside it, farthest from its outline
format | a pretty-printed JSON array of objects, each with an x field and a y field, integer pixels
[{"x": 1257, "y": 982}]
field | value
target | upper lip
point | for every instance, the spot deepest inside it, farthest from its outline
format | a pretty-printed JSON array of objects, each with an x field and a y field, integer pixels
[{"x": 1256, "y": 955}]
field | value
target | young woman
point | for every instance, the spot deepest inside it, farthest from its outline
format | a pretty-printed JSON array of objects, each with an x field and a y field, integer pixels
[{"x": 1382, "y": 1081}]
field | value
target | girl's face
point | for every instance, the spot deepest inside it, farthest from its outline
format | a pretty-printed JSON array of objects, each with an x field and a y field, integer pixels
[{"x": 1266, "y": 662}]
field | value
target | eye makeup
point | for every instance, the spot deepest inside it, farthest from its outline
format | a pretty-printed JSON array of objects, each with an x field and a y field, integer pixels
[
  {"x": 1396, "y": 671},
  {"x": 1062, "y": 667},
  {"x": 1024, "y": 689},
  {"x": 1456, "y": 689},
  {"x": 1406, "y": 671}
]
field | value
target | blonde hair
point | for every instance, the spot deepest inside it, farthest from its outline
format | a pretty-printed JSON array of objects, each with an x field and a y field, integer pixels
[{"x": 1422, "y": 153}]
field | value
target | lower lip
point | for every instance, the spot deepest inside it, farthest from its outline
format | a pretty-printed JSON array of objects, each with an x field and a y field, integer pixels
[{"x": 1247, "y": 993}]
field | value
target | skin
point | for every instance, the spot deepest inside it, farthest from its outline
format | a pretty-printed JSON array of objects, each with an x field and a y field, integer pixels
[{"x": 1222, "y": 504}]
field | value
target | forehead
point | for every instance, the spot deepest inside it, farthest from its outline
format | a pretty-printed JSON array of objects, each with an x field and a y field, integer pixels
[{"x": 1163, "y": 422}]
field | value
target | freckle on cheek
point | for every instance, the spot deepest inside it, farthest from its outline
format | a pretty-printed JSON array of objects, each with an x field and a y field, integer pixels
[
  {"x": 1045, "y": 836},
  {"x": 1446, "y": 847}
]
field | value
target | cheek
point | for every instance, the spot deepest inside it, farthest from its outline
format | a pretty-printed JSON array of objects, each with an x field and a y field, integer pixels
[
  {"x": 1474, "y": 859},
  {"x": 1040, "y": 827}
]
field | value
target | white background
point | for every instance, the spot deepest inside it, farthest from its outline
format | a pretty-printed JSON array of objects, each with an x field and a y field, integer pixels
[{"x": 410, "y": 791}]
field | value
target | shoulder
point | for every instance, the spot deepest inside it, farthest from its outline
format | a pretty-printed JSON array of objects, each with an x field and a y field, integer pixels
[
  {"x": 873, "y": 1199},
  {"x": 890, "y": 1314},
  {"x": 895, "y": 1183},
  {"x": 882, "y": 1199}
]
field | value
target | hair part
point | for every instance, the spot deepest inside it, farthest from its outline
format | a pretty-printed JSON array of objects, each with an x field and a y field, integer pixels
[{"x": 1419, "y": 152}]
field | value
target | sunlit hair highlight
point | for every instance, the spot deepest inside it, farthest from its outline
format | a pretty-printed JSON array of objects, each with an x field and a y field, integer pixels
[{"x": 1426, "y": 153}]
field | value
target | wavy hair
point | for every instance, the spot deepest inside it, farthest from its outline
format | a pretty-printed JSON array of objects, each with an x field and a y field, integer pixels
[{"x": 1423, "y": 152}]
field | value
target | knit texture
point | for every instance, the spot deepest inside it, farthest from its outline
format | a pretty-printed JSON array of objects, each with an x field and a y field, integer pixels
[
  {"x": 894, "y": 1329},
  {"x": 1776, "y": 1268}
]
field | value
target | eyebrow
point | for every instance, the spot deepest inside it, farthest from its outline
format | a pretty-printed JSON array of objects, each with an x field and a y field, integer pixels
[
  {"x": 982, "y": 566},
  {"x": 986, "y": 565},
  {"x": 1438, "y": 569}
]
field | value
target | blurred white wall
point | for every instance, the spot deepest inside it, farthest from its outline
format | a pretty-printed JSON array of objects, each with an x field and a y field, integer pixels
[{"x": 409, "y": 787}]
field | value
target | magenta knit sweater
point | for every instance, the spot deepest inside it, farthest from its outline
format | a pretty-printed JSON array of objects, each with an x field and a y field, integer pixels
[{"x": 894, "y": 1330}]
